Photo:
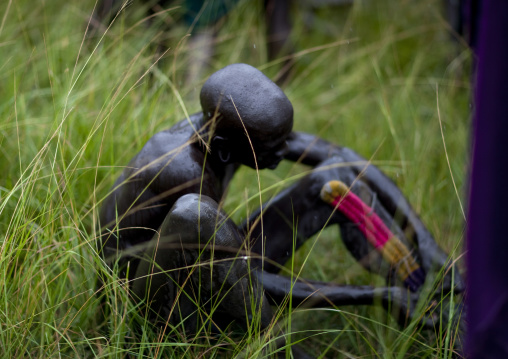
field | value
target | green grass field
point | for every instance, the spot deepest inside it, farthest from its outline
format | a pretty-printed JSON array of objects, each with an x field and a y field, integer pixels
[{"x": 382, "y": 77}]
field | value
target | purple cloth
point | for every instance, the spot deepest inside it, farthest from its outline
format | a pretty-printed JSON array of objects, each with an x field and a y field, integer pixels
[{"x": 487, "y": 256}]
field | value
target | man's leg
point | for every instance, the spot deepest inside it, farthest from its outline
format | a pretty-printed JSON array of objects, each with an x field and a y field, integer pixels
[
  {"x": 300, "y": 211},
  {"x": 195, "y": 263},
  {"x": 195, "y": 271}
]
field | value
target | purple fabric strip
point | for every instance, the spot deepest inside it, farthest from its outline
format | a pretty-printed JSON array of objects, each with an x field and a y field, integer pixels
[{"x": 487, "y": 241}]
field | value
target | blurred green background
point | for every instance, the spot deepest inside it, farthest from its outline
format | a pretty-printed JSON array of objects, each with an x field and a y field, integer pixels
[{"x": 386, "y": 78}]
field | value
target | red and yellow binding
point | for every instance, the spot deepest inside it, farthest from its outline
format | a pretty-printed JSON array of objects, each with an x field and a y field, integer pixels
[{"x": 338, "y": 195}]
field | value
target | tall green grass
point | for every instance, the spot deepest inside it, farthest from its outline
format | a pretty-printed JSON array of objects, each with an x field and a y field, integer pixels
[{"x": 381, "y": 77}]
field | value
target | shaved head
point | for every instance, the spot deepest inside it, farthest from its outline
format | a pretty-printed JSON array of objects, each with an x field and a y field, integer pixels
[{"x": 241, "y": 93}]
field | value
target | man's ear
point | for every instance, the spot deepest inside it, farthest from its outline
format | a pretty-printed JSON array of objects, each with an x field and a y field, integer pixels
[{"x": 220, "y": 146}]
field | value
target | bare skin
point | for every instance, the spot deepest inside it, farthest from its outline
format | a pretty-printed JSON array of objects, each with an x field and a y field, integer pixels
[{"x": 164, "y": 215}]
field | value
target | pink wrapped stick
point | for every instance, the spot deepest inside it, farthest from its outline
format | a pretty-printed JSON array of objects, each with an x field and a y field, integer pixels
[{"x": 338, "y": 195}]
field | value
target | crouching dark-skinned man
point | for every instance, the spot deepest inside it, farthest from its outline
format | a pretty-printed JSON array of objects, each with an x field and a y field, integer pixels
[{"x": 163, "y": 225}]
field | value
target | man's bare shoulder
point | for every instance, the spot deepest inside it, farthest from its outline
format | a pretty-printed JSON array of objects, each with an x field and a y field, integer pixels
[
  {"x": 169, "y": 150},
  {"x": 166, "y": 144}
]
